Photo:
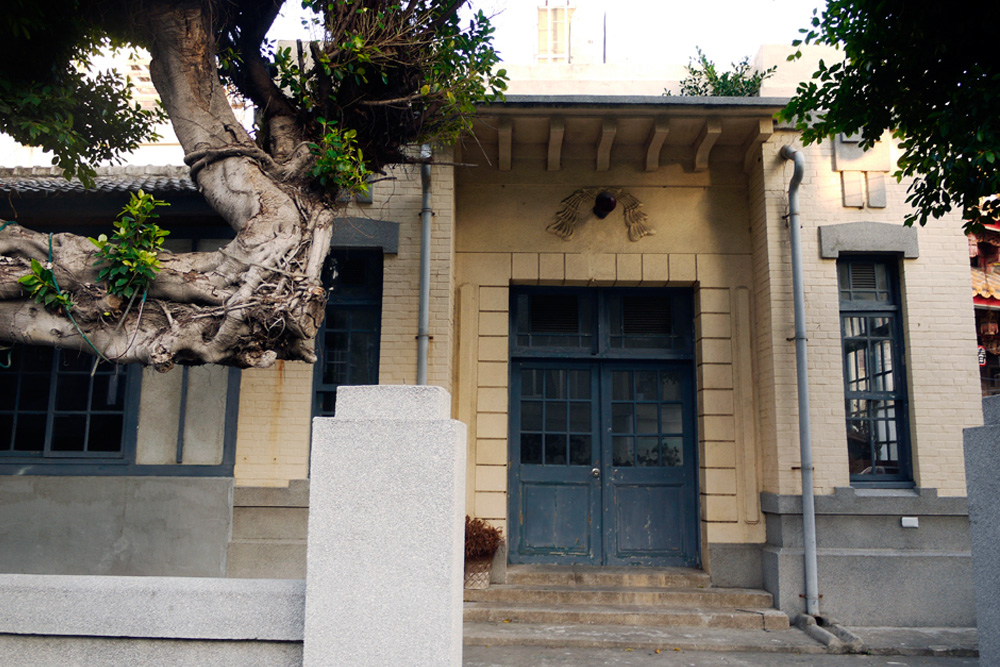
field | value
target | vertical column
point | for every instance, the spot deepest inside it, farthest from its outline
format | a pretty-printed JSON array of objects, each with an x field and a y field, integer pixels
[
  {"x": 386, "y": 530},
  {"x": 982, "y": 451}
]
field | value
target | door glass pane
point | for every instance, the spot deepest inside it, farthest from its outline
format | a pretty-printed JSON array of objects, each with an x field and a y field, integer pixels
[
  {"x": 647, "y": 451},
  {"x": 531, "y": 448},
  {"x": 673, "y": 452},
  {"x": 670, "y": 385},
  {"x": 671, "y": 418},
  {"x": 579, "y": 417},
  {"x": 555, "y": 384},
  {"x": 555, "y": 417},
  {"x": 579, "y": 384},
  {"x": 579, "y": 450},
  {"x": 621, "y": 418},
  {"x": 555, "y": 449},
  {"x": 645, "y": 386},
  {"x": 531, "y": 415},
  {"x": 646, "y": 418},
  {"x": 622, "y": 454},
  {"x": 621, "y": 386},
  {"x": 531, "y": 384}
]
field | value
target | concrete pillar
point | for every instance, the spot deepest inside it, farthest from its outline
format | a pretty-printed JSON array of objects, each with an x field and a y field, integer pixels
[
  {"x": 386, "y": 531},
  {"x": 982, "y": 478}
]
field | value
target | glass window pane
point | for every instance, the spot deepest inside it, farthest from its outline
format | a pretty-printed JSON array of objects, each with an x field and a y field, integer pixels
[
  {"x": 531, "y": 448},
  {"x": 622, "y": 454},
  {"x": 365, "y": 319},
  {"x": 34, "y": 358},
  {"x": 68, "y": 433},
  {"x": 555, "y": 449},
  {"x": 647, "y": 451},
  {"x": 105, "y": 433},
  {"x": 6, "y": 432},
  {"x": 579, "y": 450},
  {"x": 531, "y": 415},
  {"x": 34, "y": 393},
  {"x": 72, "y": 392},
  {"x": 29, "y": 433},
  {"x": 673, "y": 452}
]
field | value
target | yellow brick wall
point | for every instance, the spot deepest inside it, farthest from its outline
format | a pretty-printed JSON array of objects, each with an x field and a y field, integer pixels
[
  {"x": 938, "y": 331},
  {"x": 273, "y": 435}
]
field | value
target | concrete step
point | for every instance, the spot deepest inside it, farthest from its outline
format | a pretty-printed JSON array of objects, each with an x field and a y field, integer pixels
[
  {"x": 270, "y": 523},
  {"x": 585, "y": 575},
  {"x": 630, "y": 615},
  {"x": 619, "y": 595},
  {"x": 266, "y": 559},
  {"x": 665, "y": 639}
]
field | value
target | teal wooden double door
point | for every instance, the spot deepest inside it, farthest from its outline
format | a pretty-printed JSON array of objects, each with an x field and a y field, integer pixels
[{"x": 603, "y": 466}]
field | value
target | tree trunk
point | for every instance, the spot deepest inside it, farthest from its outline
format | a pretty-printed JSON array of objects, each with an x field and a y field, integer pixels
[{"x": 258, "y": 299}]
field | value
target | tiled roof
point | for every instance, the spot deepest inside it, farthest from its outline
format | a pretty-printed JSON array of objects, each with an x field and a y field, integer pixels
[
  {"x": 986, "y": 285},
  {"x": 36, "y": 182}
]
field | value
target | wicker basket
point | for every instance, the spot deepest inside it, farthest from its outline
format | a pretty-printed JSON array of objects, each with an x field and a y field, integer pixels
[{"x": 477, "y": 574}]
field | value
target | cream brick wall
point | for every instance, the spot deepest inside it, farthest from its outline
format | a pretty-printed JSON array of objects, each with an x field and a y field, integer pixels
[
  {"x": 938, "y": 322},
  {"x": 273, "y": 437}
]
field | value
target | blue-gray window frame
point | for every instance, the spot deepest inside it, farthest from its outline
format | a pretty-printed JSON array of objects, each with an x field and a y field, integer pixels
[
  {"x": 368, "y": 298},
  {"x": 123, "y": 463},
  {"x": 892, "y": 309}
]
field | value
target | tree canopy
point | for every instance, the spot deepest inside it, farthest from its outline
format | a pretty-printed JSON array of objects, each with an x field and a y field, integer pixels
[
  {"x": 387, "y": 74},
  {"x": 926, "y": 71}
]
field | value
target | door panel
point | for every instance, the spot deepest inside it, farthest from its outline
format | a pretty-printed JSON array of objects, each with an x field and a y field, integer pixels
[
  {"x": 603, "y": 464},
  {"x": 554, "y": 496},
  {"x": 649, "y": 471}
]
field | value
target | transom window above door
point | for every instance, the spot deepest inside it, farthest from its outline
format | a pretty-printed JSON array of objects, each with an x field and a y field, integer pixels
[{"x": 603, "y": 322}]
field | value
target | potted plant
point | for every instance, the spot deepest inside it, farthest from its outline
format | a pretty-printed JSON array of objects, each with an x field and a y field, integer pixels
[{"x": 481, "y": 543}]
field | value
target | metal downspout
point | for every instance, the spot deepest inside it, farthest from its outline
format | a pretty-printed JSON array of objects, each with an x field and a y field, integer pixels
[
  {"x": 423, "y": 319},
  {"x": 802, "y": 372}
]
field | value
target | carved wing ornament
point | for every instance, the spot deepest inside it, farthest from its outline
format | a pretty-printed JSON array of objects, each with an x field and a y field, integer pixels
[{"x": 568, "y": 216}]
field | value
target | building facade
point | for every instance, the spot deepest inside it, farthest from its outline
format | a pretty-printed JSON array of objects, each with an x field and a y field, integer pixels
[{"x": 627, "y": 371}]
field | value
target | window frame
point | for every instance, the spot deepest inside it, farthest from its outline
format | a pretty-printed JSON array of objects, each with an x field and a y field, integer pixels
[
  {"x": 899, "y": 395},
  {"x": 124, "y": 463},
  {"x": 370, "y": 298}
]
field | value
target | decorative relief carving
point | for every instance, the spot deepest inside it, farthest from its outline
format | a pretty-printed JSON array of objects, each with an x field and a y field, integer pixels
[{"x": 568, "y": 216}]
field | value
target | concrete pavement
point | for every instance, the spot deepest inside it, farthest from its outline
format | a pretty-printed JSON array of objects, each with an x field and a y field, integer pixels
[{"x": 527, "y": 656}]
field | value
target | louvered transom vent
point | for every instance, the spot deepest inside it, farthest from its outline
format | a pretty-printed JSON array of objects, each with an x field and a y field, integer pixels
[
  {"x": 645, "y": 317},
  {"x": 864, "y": 280},
  {"x": 863, "y": 276},
  {"x": 554, "y": 314}
]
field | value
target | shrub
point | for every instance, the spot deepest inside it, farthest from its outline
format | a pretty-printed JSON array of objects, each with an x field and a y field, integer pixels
[{"x": 481, "y": 539}]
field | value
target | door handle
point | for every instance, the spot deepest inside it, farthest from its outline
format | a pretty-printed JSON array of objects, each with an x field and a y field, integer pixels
[{"x": 596, "y": 472}]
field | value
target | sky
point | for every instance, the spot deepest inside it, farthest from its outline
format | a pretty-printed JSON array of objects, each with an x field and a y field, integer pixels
[{"x": 653, "y": 31}]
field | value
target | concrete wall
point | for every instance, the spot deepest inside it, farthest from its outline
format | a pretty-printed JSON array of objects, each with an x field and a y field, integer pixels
[
  {"x": 872, "y": 570},
  {"x": 115, "y": 525},
  {"x": 53, "y": 620}
]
